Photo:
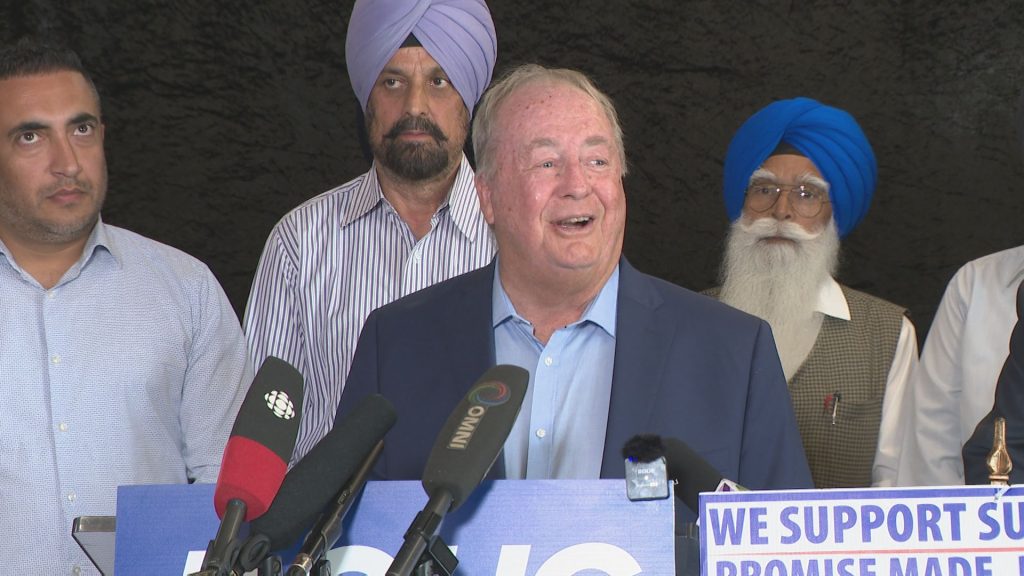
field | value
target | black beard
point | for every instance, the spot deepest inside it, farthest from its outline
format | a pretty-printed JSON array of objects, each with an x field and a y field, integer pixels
[{"x": 414, "y": 160}]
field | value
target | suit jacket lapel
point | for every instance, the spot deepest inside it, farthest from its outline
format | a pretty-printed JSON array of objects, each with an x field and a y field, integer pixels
[
  {"x": 641, "y": 342},
  {"x": 468, "y": 321}
]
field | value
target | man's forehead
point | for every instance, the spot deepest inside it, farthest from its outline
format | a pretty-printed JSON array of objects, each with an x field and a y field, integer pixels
[{"x": 61, "y": 93}]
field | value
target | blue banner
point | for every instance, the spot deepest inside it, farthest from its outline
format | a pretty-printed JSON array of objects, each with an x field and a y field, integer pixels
[{"x": 507, "y": 528}]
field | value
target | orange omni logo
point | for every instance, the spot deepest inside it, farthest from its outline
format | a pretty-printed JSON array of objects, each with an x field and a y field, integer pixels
[{"x": 483, "y": 396}]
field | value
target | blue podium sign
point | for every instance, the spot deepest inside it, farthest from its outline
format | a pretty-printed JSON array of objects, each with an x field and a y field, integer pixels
[
  {"x": 507, "y": 528},
  {"x": 954, "y": 531}
]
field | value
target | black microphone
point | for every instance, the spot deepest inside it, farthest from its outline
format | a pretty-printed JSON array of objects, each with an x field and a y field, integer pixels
[
  {"x": 465, "y": 449},
  {"x": 691, "y": 472},
  {"x": 255, "y": 458},
  {"x": 314, "y": 480}
]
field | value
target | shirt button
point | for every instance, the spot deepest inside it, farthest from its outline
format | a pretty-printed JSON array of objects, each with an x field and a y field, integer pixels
[
  {"x": 63, "y": 426},
  {"x": 51, "y": 295},
  {"x": 541, "y": 432},
  {"x": 56, "y": 358},
  {"x": 548, "y": 361},
  {"x": 72, "y": 497},
  {"x": 76, "y": 570}
]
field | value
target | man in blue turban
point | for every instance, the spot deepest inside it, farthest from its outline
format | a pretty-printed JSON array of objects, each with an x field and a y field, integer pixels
[
  {"x": 800, "y": 175},
  {"x": 418, "y": 68}
]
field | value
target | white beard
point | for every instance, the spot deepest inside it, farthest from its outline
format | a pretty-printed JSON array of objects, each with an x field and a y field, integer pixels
[{"x": 780, "y": 281}]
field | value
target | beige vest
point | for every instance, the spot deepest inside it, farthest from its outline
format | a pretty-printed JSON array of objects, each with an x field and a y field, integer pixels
[{"x": 849, "y": 360}]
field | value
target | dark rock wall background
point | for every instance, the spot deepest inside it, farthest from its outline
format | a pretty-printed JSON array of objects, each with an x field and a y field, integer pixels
[{"x": 224, "y": 115}]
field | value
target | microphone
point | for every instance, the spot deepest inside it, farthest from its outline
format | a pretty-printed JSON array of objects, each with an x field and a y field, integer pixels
[
  {"x": 327, "y": 530},
  {"x": 309, "y": 486},
  {"x": 255, "y": 458},
  {"x": 689, "y": 470},
  {"x": 465, "y": 449}
]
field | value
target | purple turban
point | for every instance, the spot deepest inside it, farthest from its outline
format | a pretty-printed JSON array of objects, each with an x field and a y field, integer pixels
[
  {"x": 827, "y": 136},
  {"x": 459, "y": 34}
]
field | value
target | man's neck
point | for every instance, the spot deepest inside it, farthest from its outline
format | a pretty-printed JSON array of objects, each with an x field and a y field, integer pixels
[
  {"x": 416, "y": 201},
  {"x": 550, "y": 304},
  {"x": 46, "y": 262}
]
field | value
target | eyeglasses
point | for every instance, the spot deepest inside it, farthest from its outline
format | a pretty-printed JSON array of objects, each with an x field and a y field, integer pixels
[{"x": 805, "y": 199}]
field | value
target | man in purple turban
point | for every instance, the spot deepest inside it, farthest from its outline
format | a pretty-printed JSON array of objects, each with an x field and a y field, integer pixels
[
  {"x": 418, "y": 68},
  {"x": 800, "y": 175}
]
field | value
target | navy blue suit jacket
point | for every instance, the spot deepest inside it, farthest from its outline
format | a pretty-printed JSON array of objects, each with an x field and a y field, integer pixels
[
  {"x": 1009, "y": 403},
  {"x": 686, "y": 366}
]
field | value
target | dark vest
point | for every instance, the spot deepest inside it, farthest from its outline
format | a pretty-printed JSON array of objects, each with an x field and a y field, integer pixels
[{"x": 849, "y": 360}]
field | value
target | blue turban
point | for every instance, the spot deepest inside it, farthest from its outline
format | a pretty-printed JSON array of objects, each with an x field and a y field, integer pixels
[
  {"x": 827, "y": 136},
  {"x": 459, "y": 34}
]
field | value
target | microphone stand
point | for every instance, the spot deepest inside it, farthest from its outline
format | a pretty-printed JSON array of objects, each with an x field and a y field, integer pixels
[
  {"x": 223, "y": 549},
  {"x": 424, "y": 552}
]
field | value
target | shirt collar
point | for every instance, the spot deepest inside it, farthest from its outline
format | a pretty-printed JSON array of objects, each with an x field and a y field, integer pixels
[
  {"x": 601, "y": 310},
  {"x": 832, "y": 301},
  {"x": 462, "y": 201},
  {"x": 98, "y": 238}
]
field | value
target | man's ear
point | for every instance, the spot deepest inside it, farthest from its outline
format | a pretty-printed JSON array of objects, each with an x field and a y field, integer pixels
[{"x": 483, "y": 192}]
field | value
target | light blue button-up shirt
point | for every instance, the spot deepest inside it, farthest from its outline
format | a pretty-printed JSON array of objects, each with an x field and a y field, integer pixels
[
  {"x": 560, "y": 430},
  {"x": 130, "y": 370}
]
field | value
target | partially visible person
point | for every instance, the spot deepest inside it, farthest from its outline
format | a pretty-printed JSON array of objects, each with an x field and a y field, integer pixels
[
  {"x": 611, "y": 352},
  {"x": 1009, "y": 404},
  {"x": 418, "y": 68},
  {"x": 799, "y": 176},
  {"x": 966, "y": 348},
  {"x": 121, "y": 360}
]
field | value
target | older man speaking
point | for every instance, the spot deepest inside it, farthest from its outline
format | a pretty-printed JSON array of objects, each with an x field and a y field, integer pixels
[
  {"x": 799, "y": 176},
  {"x": 611, "y": 352}
]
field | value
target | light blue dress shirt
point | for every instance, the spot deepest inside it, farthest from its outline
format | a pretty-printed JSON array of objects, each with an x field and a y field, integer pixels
[
  {"x": 561, "y": 428},
  {"x": 129, "y": 371}
]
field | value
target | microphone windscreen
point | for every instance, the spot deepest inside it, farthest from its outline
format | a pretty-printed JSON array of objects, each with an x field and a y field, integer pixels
[
  {"x": 473, "y": 435},
  {"x": 643, "y": 448},
  {"x": 314, "y": 480},
  {"x": 692, "y": 472},
  {"x": 262, "y": 439}
]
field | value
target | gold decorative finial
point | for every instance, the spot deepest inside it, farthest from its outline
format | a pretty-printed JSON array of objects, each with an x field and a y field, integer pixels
[{"x": 999, "y": 463}]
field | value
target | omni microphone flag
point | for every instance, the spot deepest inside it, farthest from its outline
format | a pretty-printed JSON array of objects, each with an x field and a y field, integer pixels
[
  {"x": 255, "y": 458},
  {"x": 465, "y": 449}
]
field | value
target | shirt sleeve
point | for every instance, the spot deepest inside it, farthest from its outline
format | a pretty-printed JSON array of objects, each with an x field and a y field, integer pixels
[
  {"x": 895, "y": 413},
  {"x": 274, "y": 321},
  {"x": 931, "y": 446},
  {"x": 216, "y": 380}
]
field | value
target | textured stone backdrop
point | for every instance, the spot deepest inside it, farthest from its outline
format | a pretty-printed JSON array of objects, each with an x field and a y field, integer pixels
[{"x": 224, "y": 115}]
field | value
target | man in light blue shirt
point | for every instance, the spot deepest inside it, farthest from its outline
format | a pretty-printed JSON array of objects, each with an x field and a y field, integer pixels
[
  {"x": 611, "y": 352},
  {"x": 121, "y": 360}
]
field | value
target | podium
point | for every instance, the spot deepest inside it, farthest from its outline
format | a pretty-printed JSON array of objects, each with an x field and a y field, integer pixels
[{"x": 506, "y": 528}]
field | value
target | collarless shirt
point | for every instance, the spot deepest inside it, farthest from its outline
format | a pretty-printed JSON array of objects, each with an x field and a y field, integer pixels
[
  {"x": 334, "y": 259},
  {"x": 561, "y": 427},
  {"x": 130, "y": 370}
]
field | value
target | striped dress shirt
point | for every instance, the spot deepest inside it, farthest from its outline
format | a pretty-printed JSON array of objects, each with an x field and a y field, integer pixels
[{"x": 334, "y": 259}]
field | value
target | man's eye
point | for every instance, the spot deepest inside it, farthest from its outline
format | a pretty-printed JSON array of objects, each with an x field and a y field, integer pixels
[
  {"x": 390, "y": 82},
  {"x": 28, "y": 137},
  {"x": 548, "y": 164},
  {"x": 439, "y": 82},
  {"x": 84, "y": 129}
]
